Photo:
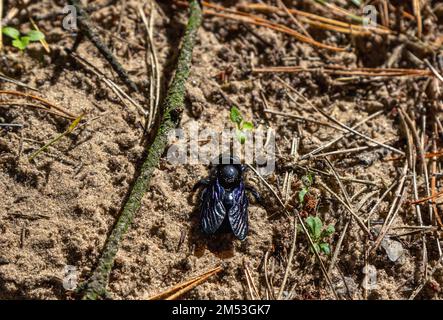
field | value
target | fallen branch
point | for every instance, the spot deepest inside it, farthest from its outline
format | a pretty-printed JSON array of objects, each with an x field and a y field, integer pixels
[{"x": 172, "y": 107}]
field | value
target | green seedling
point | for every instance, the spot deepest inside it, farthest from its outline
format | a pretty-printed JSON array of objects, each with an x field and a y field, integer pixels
[
  {"x": 71, "y": 128},
  {"x": 19, "y": 41},
  {"x": 241, "y": 126},
  {"x": 318, "y": 234},
  {"x": 307, "y": 182}
]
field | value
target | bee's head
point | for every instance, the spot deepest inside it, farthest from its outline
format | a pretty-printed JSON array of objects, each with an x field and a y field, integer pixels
[
  {"x": 228, "y": 170},
  {"x": 229, "y": 175}
]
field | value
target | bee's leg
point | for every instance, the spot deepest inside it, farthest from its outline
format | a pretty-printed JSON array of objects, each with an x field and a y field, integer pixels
[
  {"x": 201, "y": 183},
  {"x": 254, "y": 193}
]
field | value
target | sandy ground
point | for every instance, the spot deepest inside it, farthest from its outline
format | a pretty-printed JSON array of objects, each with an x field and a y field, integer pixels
[{"x": 59, "y": 209}]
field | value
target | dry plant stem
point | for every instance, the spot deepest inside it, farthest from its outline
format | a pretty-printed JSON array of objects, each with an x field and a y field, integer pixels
[
  {"x": 250, "y": 281},
  {"x": 351, "y": 130},
  {"x": 411, "y": 160},
  {"x": 417, "y": 12},
  {"x": 379, "y": 201},
  {"x": 351, "y": 150},
  {"x": 304, "y": 119},
  {"x": 255, "y": 20},
  {"x": 192, "y": 285},
  {"x": 426, "y": 279},
  {"x": 185, "y": 285},
  {"x": 269, "y": 287},
  {"x": 343, "y": 234},
  {"x": 288, "y": 267},
  {"x": 88, "y": 30},
  {"x": 362, "y": 72},
  {"x": 294, "y": 19},
  {"x": 348, "y": 203},
  {"x": 1, "y": 17},
  {"x": 434, "y": 71},
  {"x": 35, "y": 106},
  {"x": 433, "y": 177},
  {"x": 314, "y": 19},
  {"x": 111, "y": 84},
  {"x": 305, "y": 231},
  {"x": 396, "y": 205},
  {"x": 16, "y": 82},
  {"x": 50, "y": 105},
  {"x": 152, "y": 61},
  {"x": 338, "y": 138},
  {"x": 345, "y": 179},
  {"x": 172, "y": 107}
]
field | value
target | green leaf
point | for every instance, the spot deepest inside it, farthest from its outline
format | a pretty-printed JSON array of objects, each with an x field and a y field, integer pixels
[
  {"x": 310, "y": 223},
  {"x": 35, "y": 35},
  {"x": 316, "y": 247},
  {"x": 318, "y": 225},
  {"x": 21, "y": 43},
  {"x": 301, "y": 195},
  {"x": 11, "y": 32},
  {"x": 307, "y": 180},
  {"x": 324, "y": 247},
  {"x": 247, "y": 125},
  {"x": 236, "y": 116},
  {"x": 241, "y": 136},
  {"x": 328, "y": 231}
]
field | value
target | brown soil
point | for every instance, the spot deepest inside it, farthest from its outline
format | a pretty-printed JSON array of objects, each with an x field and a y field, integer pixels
[{"x": 59, "y": 209}]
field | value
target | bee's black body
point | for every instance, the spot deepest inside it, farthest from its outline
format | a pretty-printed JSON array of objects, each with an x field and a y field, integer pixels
[{"x": 224, "y": 203}]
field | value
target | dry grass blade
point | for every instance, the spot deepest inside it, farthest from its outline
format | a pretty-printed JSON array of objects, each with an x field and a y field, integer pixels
[
  {"x": 317, "y": 20},
  {"x": 294, "y": 19},
  {"x": 304, "y": 119},
  {"x": 432, "y": 197},
  {"x": 274, "y": 26},
  {"x": 332, "y": 119},
  {"x": 16, "y": 82},
  {"x": 395, "y": 207},
  {"x": 35, "y": 106},
  {"x": 1, "y": 18},
  {"x": 417, "y": 12},
  {"x": 344, "y": 231},
  {"x": 111, "y": 84},
  {"x": 290, "y": 258},
  {"x": 152, "y": 61},
  {"x": 42, "y": 100},
  {"x": 434, "y": 71},
  {"x": 250, "y": 281},
  {"x": 433, "y": 177},
  {"x": 256, "y": 20},
  {"x": 349, "y": 205},
  {"x": 362, "y": 72},
  {"x": 183, "y": 287},
  {"x": 269, "y": 287}
]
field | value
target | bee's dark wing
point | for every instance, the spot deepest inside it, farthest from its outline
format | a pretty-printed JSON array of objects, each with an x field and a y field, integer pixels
[
  {"x": 212, "y": 209},
  {"x": 238, "y": 214}
]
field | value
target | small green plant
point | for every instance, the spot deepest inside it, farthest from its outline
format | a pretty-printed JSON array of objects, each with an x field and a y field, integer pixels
[
  {"x": 319, "y": 234},
  {"x": 241, "y": 126},
  {"x": 307, "y": 182},
  {"x": 19, "y": 41}
]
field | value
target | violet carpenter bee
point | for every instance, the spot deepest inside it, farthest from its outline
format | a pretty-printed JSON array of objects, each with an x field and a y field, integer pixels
[{"x": 223, "y": 201}]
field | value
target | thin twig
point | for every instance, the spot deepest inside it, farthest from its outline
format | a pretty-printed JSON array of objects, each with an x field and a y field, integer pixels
[
  {"x": 87, "y": 29},
  {"x": 288, "y": 266}
]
